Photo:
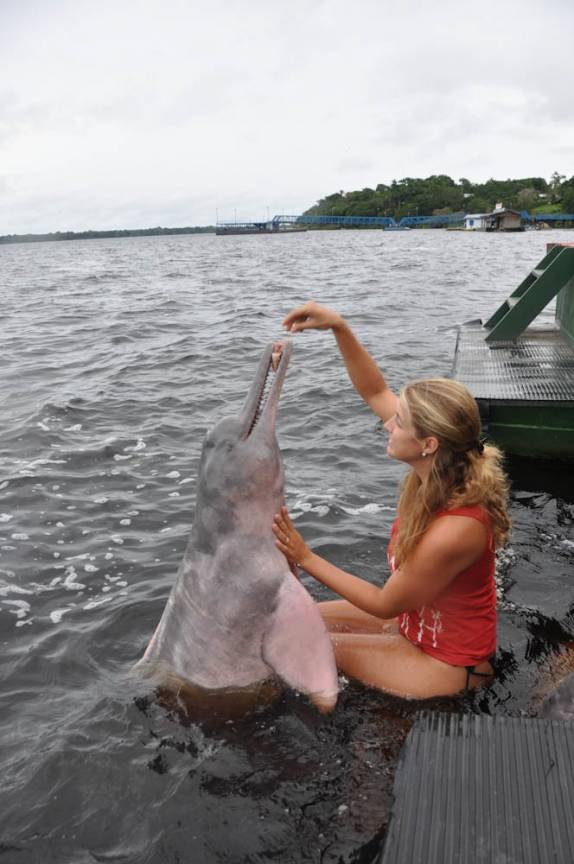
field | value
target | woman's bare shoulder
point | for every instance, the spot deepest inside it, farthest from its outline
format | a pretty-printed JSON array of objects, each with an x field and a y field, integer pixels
[{"x": 454, "y": 533}]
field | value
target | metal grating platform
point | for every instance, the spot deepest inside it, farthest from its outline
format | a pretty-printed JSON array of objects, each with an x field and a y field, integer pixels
[
  {"x": 483, "y": 790},
  {"x": 538, "y": 366}
]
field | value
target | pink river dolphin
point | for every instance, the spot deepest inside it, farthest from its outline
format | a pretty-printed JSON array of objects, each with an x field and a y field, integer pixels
[{"x": 237, "y": 615}]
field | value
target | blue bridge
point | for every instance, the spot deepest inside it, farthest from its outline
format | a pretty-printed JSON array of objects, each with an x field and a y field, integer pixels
[
  {"x": 283, "y": 221},
  {"x": 370, "y": 221}
]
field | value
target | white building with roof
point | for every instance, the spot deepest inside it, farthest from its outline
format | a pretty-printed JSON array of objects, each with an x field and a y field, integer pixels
[{"x": 475, "y": 222}]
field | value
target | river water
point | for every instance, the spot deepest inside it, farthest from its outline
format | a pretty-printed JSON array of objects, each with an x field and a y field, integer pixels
[{"x": 117, "y": 355}]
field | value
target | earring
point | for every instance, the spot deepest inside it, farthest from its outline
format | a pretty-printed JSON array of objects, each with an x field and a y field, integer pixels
[{"x": 424, "y": 453}]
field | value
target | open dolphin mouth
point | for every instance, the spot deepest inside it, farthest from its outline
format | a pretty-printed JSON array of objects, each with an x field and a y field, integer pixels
[{"x": 265, "y": 391}]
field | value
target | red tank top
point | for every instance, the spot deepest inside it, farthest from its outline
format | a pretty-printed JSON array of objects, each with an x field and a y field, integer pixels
[{"x": 459, "y": 627}]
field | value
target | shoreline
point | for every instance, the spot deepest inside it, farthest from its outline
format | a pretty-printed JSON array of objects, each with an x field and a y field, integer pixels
[{"x": 103, "y": 235}]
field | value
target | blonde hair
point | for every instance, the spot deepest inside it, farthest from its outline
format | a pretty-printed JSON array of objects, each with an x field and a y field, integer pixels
[{"x": 463, "y": 473}]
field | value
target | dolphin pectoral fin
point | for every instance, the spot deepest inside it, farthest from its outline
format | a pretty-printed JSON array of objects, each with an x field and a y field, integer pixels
[{"x": 298, "y": 648}]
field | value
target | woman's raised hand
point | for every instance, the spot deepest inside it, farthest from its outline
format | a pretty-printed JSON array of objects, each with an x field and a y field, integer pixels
[
  {"x": 288, "y": 539},
  {"x": 312, "y": 316}
]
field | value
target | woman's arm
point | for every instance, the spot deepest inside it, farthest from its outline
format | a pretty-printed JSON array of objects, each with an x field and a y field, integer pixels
[
  {"x": 366, "y": 376},
  {"x": 450, "y": 545}
]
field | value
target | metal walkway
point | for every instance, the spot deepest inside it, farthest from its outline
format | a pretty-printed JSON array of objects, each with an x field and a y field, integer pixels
[
  {"x": 537, "y": 366},
  {"x": 483, "y": 790}
]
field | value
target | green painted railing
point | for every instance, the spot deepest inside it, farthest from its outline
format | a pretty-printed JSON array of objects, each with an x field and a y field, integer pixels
[{"x": 553, "y": 275}]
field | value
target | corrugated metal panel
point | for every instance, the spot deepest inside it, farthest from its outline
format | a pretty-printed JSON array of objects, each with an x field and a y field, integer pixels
[
  {"x": 538, "y": 366},
  {"x": 483, "y": 790}
]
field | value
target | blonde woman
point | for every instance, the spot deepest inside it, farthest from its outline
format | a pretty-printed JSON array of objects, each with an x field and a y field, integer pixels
[{"x": 431, "y": 629}]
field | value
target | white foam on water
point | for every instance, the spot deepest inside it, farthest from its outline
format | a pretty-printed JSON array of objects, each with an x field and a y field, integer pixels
[
  {"x": 300, "y": 507},
  {"x": 76, "y": 428},
  {"x": 57, "y": 614},
  {"x": 308, "y": 502},
  {"x": 21, "y": 607},
  {"x": 6, "y": 517},
  {"x": 116, "y": 539},
  {"x": 20, "y": 537},
  {"x": 11, "y": 588},
  {"x": 70, "y": 583},
  {"x": 34, "y": 463},
  {"x": 366, "y": 508},
  {"x": 125, "y": 521},
  {"x": 93, "y": 604},
  {"x": 172, "y": 475},
  {"x": 321, "y": 510},
  {"x": 101, "y": 500},
  {"x": 141, "y": 445}
]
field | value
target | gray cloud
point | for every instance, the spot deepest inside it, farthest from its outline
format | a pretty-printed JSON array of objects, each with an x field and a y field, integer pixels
[{"x": 138, "y": 113}]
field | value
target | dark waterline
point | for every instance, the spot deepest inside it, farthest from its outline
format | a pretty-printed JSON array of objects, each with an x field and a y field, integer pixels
[{"x": 117, "y": 356}]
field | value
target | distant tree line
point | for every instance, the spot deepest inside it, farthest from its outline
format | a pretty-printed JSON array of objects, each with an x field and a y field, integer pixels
[
  {"x": 440, "y": 194},
  {"x": 91, "y": 235}
]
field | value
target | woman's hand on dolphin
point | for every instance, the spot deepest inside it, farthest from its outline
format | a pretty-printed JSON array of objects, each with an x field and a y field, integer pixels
[
  {"x": 288, "y": 540},
  {"x": 312, "y": 316}
]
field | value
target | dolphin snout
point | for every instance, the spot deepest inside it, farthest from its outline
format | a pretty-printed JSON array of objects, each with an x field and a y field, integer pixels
[
  {"x": 263, "y": 396},
  {"x": 276, "y": 354}
]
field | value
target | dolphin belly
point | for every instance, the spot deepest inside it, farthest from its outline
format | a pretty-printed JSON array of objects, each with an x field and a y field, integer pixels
[{"x": 232, "y": 638}]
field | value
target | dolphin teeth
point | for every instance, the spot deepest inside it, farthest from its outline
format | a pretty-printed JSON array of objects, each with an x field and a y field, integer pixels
[{"x": 264, "y": 393}]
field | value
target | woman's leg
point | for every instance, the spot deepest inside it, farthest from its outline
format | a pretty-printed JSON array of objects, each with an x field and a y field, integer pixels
[
  {"x": 340, "y": 616},
  {"x": 390, "y": 662}
]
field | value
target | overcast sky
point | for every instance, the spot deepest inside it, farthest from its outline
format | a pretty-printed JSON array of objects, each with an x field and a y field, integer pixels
[{"x": 137, "y": 113}]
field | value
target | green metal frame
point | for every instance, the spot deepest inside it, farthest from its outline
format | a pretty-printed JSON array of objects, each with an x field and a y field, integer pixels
[
  {"x": 532, "y": 429},
  {"x": 532, "y": 295},
  {"x": 565, "y": 310}
]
